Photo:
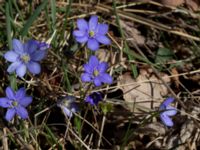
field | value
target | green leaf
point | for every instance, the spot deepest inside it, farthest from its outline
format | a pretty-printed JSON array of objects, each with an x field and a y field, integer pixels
[
  {"x": 163, "y": 55},
  {"x": 33, "y": 18},
  {"x": 106, "y": 107}
]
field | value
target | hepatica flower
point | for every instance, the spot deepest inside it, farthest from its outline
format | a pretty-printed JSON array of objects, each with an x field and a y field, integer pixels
[
  {"x": 95, "y": 72},
  {"x": 91, "y": 32},
  {"x": 43, "y": 46},
  {"x": 94, "y": 98},
  {"x": 167, "y": 111},
  {"x": 68, "y": 105},
  {"x": 16, "y": 103},
  {"x": 25, "y": 56}
]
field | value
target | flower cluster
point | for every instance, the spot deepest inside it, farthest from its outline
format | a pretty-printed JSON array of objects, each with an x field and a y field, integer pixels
[
  {"x": 22, "y": 57},
  {"x": 167, "y": 111},
  {"x": 25, "y": 56},
  {"x": 15, "y": 102},
  {"x": 91, "y": 32}
]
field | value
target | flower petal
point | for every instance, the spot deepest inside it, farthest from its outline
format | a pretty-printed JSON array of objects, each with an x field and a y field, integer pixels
[
  {"x": 21, "y": 70},
  {"x": 10, "y": 114},
  {"x": 94, "y": 98},
  {"x": 11, "y": 56},
  {"x": 93, "y": 22},
  {"x": 102, "y": 67},
  {"x": 166, "y": 120},
  {"x": 10, "y": 93},
  {"x": 20, "y": 93},
  {"x": 43, "y": 46},
  {"x": 17, "y": 46},
  {"x": 82, "y": 39},
  {"x": 66, "y": 111},
  {"x": 25, "y": 101},
  {"x": 89, "y": 100},
  {"x": 97, "y": 81},
  {"x": 38, "y": 55},
  {"x": 79, "y": 33},
  {"x": 13, "y": 66},
  {"x": 88, "y": 68},
  {"x": 106, "y": 78},
  {"x": 4, "y": 102},
  {"x": 82, "y": 24},
  {"x": 170, "y": 111},
  {"x": 31, "y": 46},
  {"x": 22, "y": 112},
  {"x": 34, "y": 67},
  {"x": 92, "y": 44},
  {"x": 102, "y": 29},
  {"x": 93, "y": 62},
  {"x": 103, "y": 39},
  {"x": 168, "y": 101},
  {"x": 85, "y": 77}
]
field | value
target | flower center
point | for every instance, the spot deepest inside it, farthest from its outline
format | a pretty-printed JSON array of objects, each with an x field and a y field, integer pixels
[
  {"x": 96, "y": 73},
  {"x": 25, "y": 58},
  {"x": 91, "y": 33},
  {"x": 14, "y": 103}
]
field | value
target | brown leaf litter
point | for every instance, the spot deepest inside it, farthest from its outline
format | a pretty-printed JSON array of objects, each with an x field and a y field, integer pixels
[{"x": 145, "y": 92}]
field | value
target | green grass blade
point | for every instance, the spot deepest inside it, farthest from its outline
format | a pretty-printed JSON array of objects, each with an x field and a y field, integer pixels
[
  {"x": 66, "y": 78},
  {"x": 18, "y": 10},
  {"x": 13, "y": 81},
  {"x": 51, "y": 137},
  {"x": 33, "y": 18},
  {"x": 53, "y": 14},
  {"x": 8, "y": 26},
  {"x": 126, "y": 47},
  {"x": 10, "y": 8},
  {"x": 67, "y": 12}
]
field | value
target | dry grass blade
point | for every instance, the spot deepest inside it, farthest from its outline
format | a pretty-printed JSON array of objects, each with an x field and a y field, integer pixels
[
  {"x": 5, "y": 140},
  {"x": 145, "y": 21}
]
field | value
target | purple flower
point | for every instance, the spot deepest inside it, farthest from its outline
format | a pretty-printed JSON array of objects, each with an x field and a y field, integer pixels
[
  {"x": 95, "y": 71},
  {"x": 43, "y": 45},
  {"x": 167, "y": 111},
  {"x": 15, "y": 102},
  {"x": 91, "y": 32},
  {"x": 25, "y": 56},
  {"x": 68, "y": 105},
  {"x": 94, "y": 98}
]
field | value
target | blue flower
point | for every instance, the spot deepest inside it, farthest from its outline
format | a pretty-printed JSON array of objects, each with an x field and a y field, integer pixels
[
  {"x": 167, "y": 111},
  {"x": 91, "y": 32},
  {"x": 94, "y": 98},
  {"x": 15, "y": 102},
  {"x": 25, "y": 56},
  {"x": 95, "y": 71},
  {"x": 68, "y": 105},
  {"x": 43, "y": 45}
]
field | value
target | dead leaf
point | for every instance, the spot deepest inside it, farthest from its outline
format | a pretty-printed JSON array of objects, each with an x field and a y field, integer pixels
[
  {"x": 143, "y": 93},
  {"x": 153, "y": 128},
  {"x": 193, "y": 4},
  {"x": 103, "y": 55},
  {"x": 172, "y": 2},
  {"x": 176, "y": 77},
  {"x": 133, "y": 35}
]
